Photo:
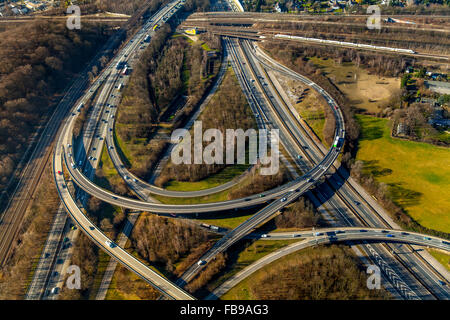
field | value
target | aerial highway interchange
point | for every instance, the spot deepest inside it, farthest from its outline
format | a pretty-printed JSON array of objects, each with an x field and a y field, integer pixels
[{"x": 361, "y": 221}]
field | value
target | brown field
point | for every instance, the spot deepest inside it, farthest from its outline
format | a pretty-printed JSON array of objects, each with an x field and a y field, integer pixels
[{"x": 366, "y": 92}]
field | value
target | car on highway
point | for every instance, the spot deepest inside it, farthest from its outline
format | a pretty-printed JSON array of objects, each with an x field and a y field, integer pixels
[
  {"x": 126, "y": 177},
  {"x": 80, "y": 163},
  {"x": 390, "y": 235},
  {"x": 55, "y": 290},
  {"x": 92, "y": 228},
  {"x": 134, "y": 180},
  {"x": 59, "y": 172},
  {"x": 110, "y": 244},
  {"x": 264, "y": 235},
  {"x": 283, "y": 199},
  {"x": 111, "y": 147},
  {"x": 310, "y": 180},
  {"x": 201, "y": 262},
  {"x": 426, "y": 238}
]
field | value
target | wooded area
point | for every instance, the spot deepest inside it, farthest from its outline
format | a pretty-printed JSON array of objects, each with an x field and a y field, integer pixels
[
  {"x": 228, "y": 109},
  {"x": 331, "y": 272},
  {"x": 163, "y": 242},
  {"x": 38, "y": 61},
  {"x": 171, "y": 67}
]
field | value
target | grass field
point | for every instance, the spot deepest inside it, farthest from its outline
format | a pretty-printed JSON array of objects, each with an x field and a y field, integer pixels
[
  {"x": 110, "y": 175},
  {"x": 220, "y": 196},
  {"x": 442, "y": 257},
  {"x": 225, "y": 175},
  {"x": 228, "y": 220},
  {"x": 103, "y": 261},
  {"x": 366, "y": 92},
  {"x": 308, "y": 103},
  {"x": 417, "y": 174}
]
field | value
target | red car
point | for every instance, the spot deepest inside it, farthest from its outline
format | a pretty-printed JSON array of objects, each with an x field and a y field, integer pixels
[{"x": 59, "y": 172}]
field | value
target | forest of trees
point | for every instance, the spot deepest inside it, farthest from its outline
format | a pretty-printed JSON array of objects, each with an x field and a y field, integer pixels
[
  {"x": 170, "y": 68},
  {"x": 228, "y": 109},
  {"x": 258, "y": 183},
  {"x": 38, "y": 61},
  {"x": 301, "y": 214},
  {"x": 163, "y": 242},
  {"x": 86, "y": 257},
  {"x": 34, "y": 230},
  {"x": 331, "y": 272}
]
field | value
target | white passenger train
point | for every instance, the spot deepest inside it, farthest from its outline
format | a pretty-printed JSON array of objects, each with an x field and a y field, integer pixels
[{"x": 350, "y": 44}]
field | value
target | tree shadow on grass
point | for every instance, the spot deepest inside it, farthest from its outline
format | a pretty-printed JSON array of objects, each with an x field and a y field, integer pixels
[
  {"x": 404, "y": 197},
  {"x": 122, "y": 156},
  {"x": 375, "y": 169},
  {"x": 371, "y": 132}
]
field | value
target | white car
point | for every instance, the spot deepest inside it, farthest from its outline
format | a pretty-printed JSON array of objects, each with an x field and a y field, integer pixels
[
  {"x": 264, "y": 236},
  {"x": 110, "y": 244},
  {"x": 201, "y": 262}
]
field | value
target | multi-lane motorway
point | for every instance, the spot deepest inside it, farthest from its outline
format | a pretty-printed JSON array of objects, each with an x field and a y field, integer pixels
[
  {"x": 321, "y": 237},
  {"x": 262, "y": 99},
  {"x": 108, "y": 80}
]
